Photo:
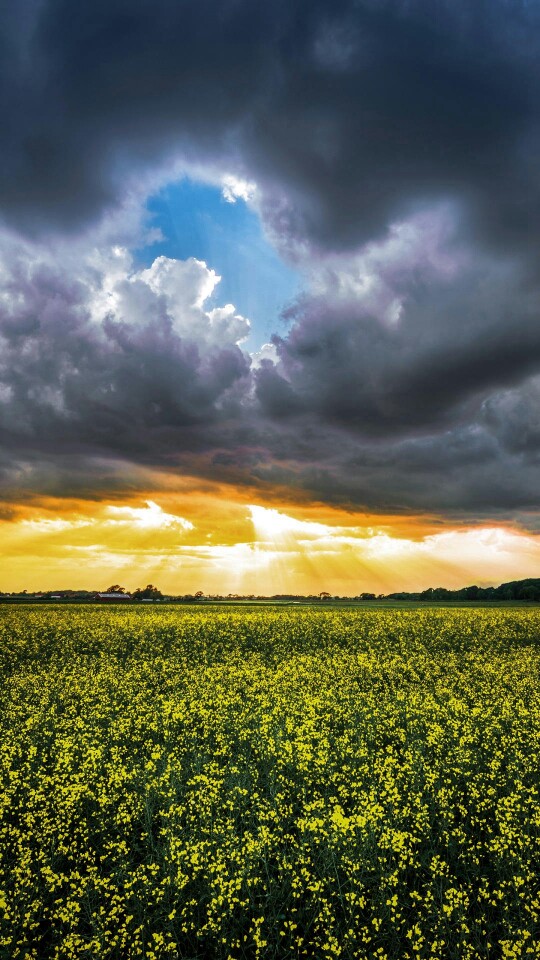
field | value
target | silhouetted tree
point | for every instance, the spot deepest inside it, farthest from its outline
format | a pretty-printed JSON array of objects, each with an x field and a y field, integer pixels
[
  {"x": 149, "y": 592},
  {"x": 529, "y": 592}
]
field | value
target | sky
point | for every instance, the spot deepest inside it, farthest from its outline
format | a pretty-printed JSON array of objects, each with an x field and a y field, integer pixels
[{"x": 269, "y": 288}]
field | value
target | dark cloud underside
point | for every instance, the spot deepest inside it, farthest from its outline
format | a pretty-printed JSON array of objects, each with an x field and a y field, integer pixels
[{"x": 395, "y": 149}]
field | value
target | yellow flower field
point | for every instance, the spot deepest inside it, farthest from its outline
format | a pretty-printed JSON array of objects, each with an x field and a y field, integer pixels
[{"x": 269, "y": 783}]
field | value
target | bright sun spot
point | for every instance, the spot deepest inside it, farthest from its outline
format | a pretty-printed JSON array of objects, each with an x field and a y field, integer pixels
[
  {"x": 271, "y": 525},
  {"x": 259, "y": 550}
]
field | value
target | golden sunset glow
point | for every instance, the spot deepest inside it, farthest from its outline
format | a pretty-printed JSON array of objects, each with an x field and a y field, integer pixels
[{"x": 203, "y": 541}]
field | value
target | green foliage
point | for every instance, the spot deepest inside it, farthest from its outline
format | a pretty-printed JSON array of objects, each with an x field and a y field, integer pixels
[
  {"x": 150, "y": 592},
  {"x": 216, "y": 783},
  {"x": 514, "y": 590}
]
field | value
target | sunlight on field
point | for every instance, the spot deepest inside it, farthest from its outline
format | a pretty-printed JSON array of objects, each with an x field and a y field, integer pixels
[{"x": 269, "y": 783}]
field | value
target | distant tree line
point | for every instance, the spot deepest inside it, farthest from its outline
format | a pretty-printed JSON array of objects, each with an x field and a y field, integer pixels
[
  {"x": 519, "y": 590},
  {"x": 149, "y": 592},
  {"x": 514, "y": 590}
]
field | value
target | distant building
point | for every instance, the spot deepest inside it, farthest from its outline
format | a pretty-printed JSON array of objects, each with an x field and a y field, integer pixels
[{"x": 112, "y": 597}]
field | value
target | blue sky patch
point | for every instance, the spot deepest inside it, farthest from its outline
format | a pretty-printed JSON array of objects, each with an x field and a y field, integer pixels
[{"x": 196, "y": 221}]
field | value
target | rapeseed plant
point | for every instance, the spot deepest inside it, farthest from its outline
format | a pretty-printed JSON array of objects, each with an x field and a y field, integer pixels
[{"x": 234, "y": 784}]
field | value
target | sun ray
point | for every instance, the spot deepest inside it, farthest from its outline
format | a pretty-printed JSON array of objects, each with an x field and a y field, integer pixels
[{"x": 202, "y": 541}]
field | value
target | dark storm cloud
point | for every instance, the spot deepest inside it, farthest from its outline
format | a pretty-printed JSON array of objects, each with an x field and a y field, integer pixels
[
  {"x": 70, "y": 385},
  {"x": 84, "y": 405},
  {"x": 394, "y": 146},
  {"x": 514, "y": 417},
  {"x": 463, "y": 473},
  {"x": 416, "y": 390},
  {"x": 455, "y": 341},
  {"x": 348, "y": 114}
]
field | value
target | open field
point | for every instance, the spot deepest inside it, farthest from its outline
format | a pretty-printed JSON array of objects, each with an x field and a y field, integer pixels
[{"x": 269, "y": 783}]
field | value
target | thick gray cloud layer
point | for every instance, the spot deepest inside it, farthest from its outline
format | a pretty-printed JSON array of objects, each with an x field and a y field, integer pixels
[
  {"x": 347, "y": 114},
  {"x": 394, "y": 146}
]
